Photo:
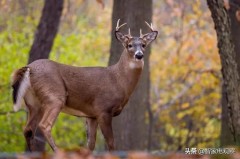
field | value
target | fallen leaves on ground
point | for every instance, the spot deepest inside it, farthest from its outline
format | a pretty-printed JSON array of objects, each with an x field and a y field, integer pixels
[{"x": 86, "y": 154}]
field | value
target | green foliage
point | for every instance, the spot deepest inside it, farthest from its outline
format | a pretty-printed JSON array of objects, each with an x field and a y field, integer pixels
[
  {"x": 185, "y": 80},
  {"x": 86, "y": 45},
  {"x": 14, "y": 54}
]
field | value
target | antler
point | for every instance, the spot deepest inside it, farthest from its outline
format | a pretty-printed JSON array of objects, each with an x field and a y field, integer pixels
[
  {"x": 118, "y": 27},
  {"x": 129, "y": 33},
  {"x": 150, "y": 26},
  {"x": 141, "y": 35}
]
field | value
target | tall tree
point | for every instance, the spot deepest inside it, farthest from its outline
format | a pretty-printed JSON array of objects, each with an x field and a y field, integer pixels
[
  {"x": 233, "y": 11},
  {"x": 130, "y": 128},
  {"x": 42, "y": 44},
  {"x": 46, "y": 30},
  {"x": 230, "y": 73}
]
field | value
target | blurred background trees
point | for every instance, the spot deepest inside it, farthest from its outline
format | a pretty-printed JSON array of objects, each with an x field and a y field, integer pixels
[
  {"x": 185, "y": 78},
  {"x": 46, "y": 30},
  {"x": 131, "y": 125},
  {"x": 43, "y": 42},
  {"x": 184, "y": 96},
  {"x": 229, "y": 68}
]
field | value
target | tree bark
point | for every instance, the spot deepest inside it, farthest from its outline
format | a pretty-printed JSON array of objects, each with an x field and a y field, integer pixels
[
  {"x": 130, "y": 128},
  {"x": 42, "y": 45},
  {"x": 226, "y": 136},
  {"x": 229, "y": 67},
  {"x": 46, "y": 30}
]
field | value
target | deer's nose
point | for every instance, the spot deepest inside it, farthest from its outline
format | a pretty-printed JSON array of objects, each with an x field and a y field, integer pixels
[{"x": 139, "y": 55}]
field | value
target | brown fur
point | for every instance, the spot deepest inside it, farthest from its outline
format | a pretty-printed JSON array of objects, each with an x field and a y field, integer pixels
[{"x": 97, "y": 93}]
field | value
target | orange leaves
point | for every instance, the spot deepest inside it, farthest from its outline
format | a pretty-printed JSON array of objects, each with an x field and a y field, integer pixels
[
  {"x": 170, "y": 2},
  {"x": 190, "y": 58},
  {"x": 238, "y": 15},
  {"x": 101, "y": 2},
  {"x": 185, "y": 154},
  {"x": 184, "y": 86},
  {"x": 86, "y": 154}
]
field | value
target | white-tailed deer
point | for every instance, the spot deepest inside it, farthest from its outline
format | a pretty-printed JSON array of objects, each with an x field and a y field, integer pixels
[{"x": 97, "y": 93}]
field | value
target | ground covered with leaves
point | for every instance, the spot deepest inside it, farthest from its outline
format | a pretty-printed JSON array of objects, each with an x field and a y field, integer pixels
[
  {"x": 83, "y": 153},
  {"x": 184, "y": 63}
]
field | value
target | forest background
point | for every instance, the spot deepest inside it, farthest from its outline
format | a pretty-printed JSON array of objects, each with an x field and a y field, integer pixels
[{"x": 184, "y": 66}]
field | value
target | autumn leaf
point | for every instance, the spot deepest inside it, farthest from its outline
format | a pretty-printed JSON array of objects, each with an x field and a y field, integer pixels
[
  {"x": 238, "y": 15},
  {"x": 101, "y": 2}
]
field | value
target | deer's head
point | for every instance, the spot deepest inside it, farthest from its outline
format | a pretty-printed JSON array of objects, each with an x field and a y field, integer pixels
[{"x": 135, "y": 46}]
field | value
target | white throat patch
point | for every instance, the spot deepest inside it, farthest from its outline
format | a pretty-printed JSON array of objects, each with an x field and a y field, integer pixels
[{"x": 136, "y": 64}]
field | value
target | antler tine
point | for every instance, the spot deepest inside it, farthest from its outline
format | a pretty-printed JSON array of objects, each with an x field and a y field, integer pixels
[
  {"x": 129, "y": 32},
  {"x": 150, "y": 26},
  {"x": 141, "y": 33},
  {"x": 118, "y": 27}
]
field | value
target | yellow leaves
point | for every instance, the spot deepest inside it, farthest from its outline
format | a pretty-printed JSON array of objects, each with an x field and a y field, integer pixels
[
  {"x": 172, "y": 131},
  {"x": 180, "y": 115},
  {"x": 185, "y": 105},
  {"x": 196, "y": 7},
  {"x": 177, "y": 12},
  {"x": 218, "y": 110},
  {"x": 190, "y": 58}
]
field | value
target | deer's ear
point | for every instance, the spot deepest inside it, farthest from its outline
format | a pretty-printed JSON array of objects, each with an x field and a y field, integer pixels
[
  {"x": 149, "y": 37},
  {"x": 121, "y": 37}
]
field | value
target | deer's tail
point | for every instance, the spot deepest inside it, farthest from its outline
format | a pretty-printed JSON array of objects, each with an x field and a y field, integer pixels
[{"x": 20, "y": 83}]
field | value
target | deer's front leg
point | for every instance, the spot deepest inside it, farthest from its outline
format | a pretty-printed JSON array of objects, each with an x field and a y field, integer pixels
[
  {"x": 105, "y": 123},
  {"x": 91, "y": 125}
]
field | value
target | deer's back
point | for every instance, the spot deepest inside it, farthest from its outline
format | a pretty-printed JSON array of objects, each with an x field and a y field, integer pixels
[{"x": 87, "y": 89}]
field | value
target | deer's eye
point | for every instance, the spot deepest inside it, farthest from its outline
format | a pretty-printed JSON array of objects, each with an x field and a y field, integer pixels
[
  {"x": 129, "y": 46},
  {"x": 143, "y": 45}
]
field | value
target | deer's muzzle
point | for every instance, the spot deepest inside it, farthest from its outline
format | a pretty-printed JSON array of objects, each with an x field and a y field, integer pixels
[{"x": 139, "y": 55}]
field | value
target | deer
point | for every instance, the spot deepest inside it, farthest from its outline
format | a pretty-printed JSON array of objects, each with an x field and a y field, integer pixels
[{"x": 96, "y": 93}]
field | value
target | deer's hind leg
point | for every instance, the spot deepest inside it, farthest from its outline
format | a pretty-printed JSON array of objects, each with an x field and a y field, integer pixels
[
  {"x": 51, "y": 109},
  {"x": 30, "y": 130},
  {"x": 33, "y": 119}
]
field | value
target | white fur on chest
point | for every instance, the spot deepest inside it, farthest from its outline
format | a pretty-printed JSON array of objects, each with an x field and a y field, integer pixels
[{"x": 136, "y": 64}]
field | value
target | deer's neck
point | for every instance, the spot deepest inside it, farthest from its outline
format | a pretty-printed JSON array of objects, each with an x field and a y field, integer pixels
[{"x": 128, "y": 71}]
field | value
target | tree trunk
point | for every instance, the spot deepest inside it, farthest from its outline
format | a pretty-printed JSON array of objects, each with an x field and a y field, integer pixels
[
  {"x": 226, "y": 136},
  {"x": 229, "y": 67},
  {"x": 46, "y": 30},
  {"x": 42, "y": 44},
  {"x": 130, "y": 128}
]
